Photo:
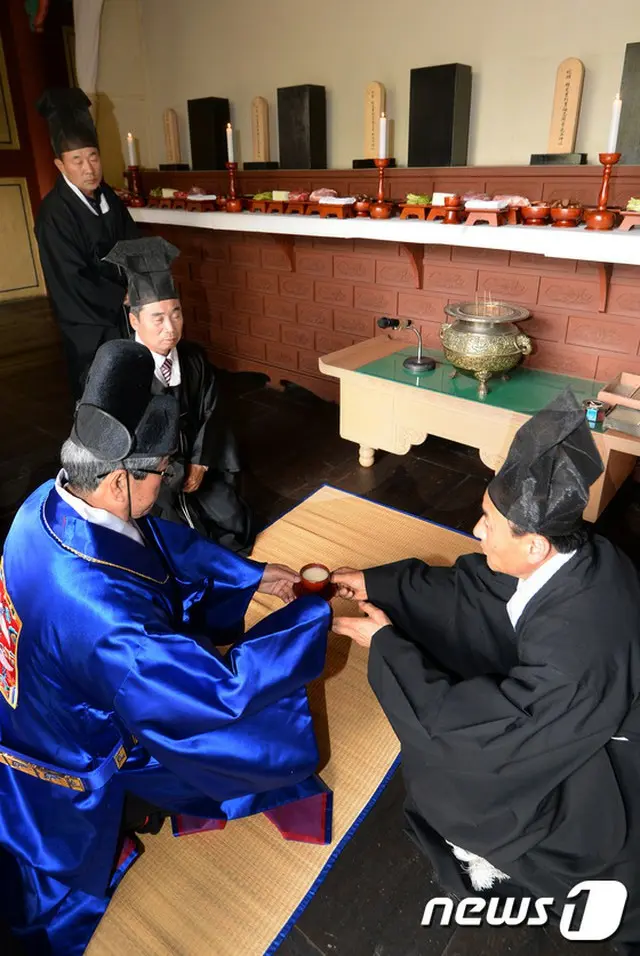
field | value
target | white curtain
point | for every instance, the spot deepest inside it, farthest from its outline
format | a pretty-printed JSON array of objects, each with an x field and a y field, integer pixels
[{"x": 86, "y": 15}]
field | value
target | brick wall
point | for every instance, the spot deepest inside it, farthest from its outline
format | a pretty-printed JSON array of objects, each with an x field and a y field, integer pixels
[{"x": 251, "y": 310}]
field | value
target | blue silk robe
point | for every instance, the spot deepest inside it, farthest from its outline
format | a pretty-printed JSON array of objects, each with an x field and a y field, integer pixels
[{"x": 103, "y": 640}]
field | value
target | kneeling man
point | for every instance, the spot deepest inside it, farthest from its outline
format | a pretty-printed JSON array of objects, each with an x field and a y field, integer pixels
[
  {"x": 511, "y": 679},
  {"x": 112, "y": 689}
]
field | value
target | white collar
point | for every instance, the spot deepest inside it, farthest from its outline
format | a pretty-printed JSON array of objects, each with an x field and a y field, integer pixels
[
  {"x": 96, "y": 515},
  {"x": 528, "y": 587},
  {"x": 176, "y": 376},
  {"x": 104, "y": 205}
]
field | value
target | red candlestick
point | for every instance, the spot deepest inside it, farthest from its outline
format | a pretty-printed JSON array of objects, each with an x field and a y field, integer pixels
[
  {"x": 602, "y": 217},
  {"x": 233, "y": 203},
  {"x": 135, "y": 181},
  {"x": 380, "y": 209}
]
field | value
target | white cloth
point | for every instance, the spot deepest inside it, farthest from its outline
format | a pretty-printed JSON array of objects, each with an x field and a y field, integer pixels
[
  {"x": 104, "y": 205},
  {"x": 529, "y": 587},
  {"x": 176, "y": 377},
  {"x": 96, "y": 515}
]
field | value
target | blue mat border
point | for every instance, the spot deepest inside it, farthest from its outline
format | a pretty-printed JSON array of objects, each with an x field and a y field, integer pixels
[{"x": 319, "y": 880}]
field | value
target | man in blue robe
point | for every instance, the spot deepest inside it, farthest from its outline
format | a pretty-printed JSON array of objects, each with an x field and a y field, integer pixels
[{"x": 112, "y": 689}]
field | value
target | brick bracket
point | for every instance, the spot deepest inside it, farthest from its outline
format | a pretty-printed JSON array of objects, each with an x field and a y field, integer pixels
[
  {"x": 286, "y": 244},
  {"x": 415, "y": 254},
  {"x": 604, "y": 271}
]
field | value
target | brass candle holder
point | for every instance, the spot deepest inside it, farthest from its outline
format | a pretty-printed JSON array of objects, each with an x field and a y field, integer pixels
[
  {"x": 381, "y": 209},
  {"x": 601, "y": 217},
  {"x": 233, "y": 204}
]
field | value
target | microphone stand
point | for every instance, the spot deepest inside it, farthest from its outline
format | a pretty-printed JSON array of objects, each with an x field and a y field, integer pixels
[{"x": 415, "y": 364}]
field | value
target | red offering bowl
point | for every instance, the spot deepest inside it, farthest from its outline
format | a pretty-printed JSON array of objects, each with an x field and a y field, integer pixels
[{"x": 315, "y": 579}]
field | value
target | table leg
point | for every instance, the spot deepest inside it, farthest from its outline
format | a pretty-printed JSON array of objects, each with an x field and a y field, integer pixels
[
  {"x": 367, "y": 456},
  {"x": 618, "y": 466}
]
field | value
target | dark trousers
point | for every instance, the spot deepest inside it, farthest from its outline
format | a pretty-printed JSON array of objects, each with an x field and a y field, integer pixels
[{"x": 80, "y": 344}]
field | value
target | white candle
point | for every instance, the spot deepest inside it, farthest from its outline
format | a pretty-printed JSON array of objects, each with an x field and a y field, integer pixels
[
  {"x": 615, "y": 125},
  {"x": 230, "y": 155},
  {"x": 132, "y": 150},
  {"x": 382, "y": 137}
]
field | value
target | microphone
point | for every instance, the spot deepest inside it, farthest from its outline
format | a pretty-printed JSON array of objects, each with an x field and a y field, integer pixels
[
  {"x": 386, "y": 323},
  {"x": 420, "y": 363}
]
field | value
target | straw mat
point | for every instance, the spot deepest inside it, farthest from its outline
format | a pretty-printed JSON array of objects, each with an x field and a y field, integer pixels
[{"x": 234, "y": 892}]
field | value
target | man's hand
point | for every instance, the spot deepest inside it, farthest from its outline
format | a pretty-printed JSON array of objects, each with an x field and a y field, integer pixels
[
  {"x": 193, "y": 479},
  {"x": 350, "y": 584},
  {"x": 278, "y": 579},
  {"x": 362, "y": 629}
]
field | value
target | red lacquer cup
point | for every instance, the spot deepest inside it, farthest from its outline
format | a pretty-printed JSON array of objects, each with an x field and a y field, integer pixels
[{"x": 314, "y": 578}]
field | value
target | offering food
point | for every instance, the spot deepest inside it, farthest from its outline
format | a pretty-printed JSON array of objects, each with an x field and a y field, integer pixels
[
  {"x": 281, "y": 195},
  {"x": 633, "y": 205},
  {"x": 468, "y": 197},
  {"x": 512, "y": 200},
  {"x": 296, "y": 195},
  {"x": 493, "y": 205},
  {"x": 319, "y": 194},
  {"x": 261, "y": 197},
  {"x": 417, "y": 199},
  {"x": 438, "y": 198},
  {"x": 337, "y": 200},
  {"x": 566, "y": 204}
]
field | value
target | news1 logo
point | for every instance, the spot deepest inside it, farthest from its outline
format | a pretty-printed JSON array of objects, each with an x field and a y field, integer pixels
[{"x": 604, "y": 903}]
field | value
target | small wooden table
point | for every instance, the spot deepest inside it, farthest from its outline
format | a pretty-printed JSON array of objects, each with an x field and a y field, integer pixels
[{"x": 383, "y": 406}]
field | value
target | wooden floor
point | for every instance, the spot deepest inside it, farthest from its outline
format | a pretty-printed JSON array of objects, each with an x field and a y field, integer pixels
[{"x": 372, "y": 900}]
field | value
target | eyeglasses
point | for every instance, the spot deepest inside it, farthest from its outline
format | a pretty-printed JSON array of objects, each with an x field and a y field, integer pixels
[{"x": 166, "y": 474}]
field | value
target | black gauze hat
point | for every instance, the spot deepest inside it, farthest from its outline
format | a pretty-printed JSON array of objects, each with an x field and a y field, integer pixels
[
  {"x": 118, "y": 417},
  {"x": 70, "y": 123},
  {"x": 147, "y": 263},
  {"x": 543, "y": 486}
]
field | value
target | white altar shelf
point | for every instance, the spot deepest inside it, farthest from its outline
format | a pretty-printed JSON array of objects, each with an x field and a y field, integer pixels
[{"x": 579, "y": 243}]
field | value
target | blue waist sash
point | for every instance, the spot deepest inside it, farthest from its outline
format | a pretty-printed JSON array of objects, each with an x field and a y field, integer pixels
[{"x": 90, "y": 780}]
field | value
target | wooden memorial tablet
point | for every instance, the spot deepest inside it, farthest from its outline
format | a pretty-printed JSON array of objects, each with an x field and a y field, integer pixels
[{"x": 566, "y": 106}]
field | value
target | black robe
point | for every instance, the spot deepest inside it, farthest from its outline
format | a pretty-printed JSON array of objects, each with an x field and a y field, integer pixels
[
  {"x": 216, "y": 509},
  {"x": 87, "y": 294},
  {"x": 506, "y": 734}
]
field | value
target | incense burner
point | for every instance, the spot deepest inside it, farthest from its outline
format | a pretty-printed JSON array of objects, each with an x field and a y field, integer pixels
[{"x": 483, "y": 340}]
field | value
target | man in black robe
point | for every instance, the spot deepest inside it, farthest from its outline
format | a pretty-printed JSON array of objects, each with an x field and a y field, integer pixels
[
  {"x": 203, "y": 489},
  {"x": 510, "y": 680},
  {"x": 79, "y": 221}
]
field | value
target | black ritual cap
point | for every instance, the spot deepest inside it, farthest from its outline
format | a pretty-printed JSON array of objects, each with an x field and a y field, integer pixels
[
  {"x": 70, "y": 123},
  {"x": 118, "y": 417},
  {"x": 147, "y": 264},
  {"x": 543, "y": 486}
]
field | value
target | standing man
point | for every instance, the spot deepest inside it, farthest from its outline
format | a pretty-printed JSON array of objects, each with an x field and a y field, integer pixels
[
  {"x": 512, "y": 681},
  {"x": 78, "y": 223},
  {"x": 203, "y": 490}
]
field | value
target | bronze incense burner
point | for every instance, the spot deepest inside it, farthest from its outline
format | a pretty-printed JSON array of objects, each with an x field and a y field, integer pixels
[{"x": 482, "y": 339}]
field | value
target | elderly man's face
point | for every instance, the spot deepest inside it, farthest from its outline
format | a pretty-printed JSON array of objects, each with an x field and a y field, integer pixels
[
  {"x": 82, "y": 167},
  {"x": 506, "y": 552},
  {"x": 159, "y": 325},
  {"x": 119, "y": 490}
]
